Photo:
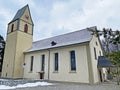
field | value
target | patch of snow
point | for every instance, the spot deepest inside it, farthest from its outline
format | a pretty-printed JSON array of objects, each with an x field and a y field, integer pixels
[
  {"x": 6, "y": 87},
  {"x": 34, "y": 84},
  {"x": 26, "y": 85},
  {"x": 3, "y": 79}
]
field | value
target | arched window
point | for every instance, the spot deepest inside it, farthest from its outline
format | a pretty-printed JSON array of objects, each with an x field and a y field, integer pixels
[
  {"x": 12, "y": 27},
  {"x": 25, "y": 28}
]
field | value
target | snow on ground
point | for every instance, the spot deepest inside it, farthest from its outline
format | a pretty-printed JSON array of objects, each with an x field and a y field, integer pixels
[
  {"x": 3, "y": 79},
  {"x": 25, "y": 85}
]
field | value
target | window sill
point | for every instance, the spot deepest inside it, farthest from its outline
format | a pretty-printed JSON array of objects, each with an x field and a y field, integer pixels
[
  {"x": 41, "y": 72},
  {"x": 55, "y": 71},
  {"x": 72, "y": 72},
  {"x": 96, "y": 59},
  {"x": 30, "y": 72}
]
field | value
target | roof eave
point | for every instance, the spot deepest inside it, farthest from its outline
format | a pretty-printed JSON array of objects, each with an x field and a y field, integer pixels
[{"x": 55, "y": 47}]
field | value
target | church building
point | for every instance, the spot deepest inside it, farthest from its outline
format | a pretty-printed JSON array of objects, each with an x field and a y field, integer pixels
[{"x": 71, "y": 57}]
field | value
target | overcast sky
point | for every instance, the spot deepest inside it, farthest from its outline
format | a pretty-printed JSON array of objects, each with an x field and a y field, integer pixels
[{"x": 55, "y": 17}]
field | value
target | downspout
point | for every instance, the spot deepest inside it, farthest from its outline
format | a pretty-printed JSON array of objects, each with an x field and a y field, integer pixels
[
  {"x": 23, "y": 65},
  {"x": 48, "y": 64}
]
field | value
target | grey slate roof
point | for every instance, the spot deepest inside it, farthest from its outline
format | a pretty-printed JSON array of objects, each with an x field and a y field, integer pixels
[
  {"x": 19, "y": 13},
  {"x": 76, "y": 37},
  {"x": 104, "y": 62}
]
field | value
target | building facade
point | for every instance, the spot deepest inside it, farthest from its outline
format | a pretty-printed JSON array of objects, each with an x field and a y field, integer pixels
[{"x": 72, "y": 57}]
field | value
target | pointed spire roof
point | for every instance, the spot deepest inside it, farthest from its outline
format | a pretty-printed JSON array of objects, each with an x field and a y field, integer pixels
[{"x": 19, "y": 13}]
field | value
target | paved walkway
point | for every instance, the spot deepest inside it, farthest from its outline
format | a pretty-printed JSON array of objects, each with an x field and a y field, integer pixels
[{"x": 72, "y": 86}]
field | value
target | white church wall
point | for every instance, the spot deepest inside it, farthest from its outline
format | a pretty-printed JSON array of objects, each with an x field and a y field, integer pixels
[
  {"x": 95, "y": 44},
  {"x": 36, "y": 65},
  {"x": 64, "y": 73}
]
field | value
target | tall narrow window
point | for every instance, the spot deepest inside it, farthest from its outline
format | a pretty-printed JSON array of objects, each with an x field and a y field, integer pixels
[
  {"x": 95, "y": 53},
  {"x": 43, "y": 63},
  {"x": 100, "y": 53},
  {"x": 96, "y": 44},
  {"x": 31, "y": 65},
  {"x": 25, "y": 28},
  {"x": 56, "y": 61},
  {"x": 73, "y": 61},
  {"x": 12, "y": 27}
]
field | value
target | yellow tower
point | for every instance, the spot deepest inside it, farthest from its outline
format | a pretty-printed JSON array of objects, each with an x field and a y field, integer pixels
[{"x": 19, "y": 39}]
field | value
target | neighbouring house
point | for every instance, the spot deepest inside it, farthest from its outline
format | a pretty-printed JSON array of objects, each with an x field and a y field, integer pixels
[
  {"x": 104, "y": 67},
  {"x": 71, "y": 57}
]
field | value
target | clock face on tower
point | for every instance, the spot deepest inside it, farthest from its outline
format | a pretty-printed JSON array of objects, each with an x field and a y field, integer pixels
[{"x": 27, "y": 17}]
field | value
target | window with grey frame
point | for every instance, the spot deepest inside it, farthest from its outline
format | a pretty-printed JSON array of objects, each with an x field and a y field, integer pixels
[
  {"x": 43, "y": 63},
  {"x": 95, "y": 53},
  {"x": 56, "y": 61},
  {"x": 31, "y": 64},
  {"x": 100, "y": 53},
  {"x": 73, "y": 60}
]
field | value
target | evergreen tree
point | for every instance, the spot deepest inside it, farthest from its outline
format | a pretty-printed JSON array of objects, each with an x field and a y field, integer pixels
[
  {"x": 2, "y": 46},
  {"x": 109, "y": 37}
]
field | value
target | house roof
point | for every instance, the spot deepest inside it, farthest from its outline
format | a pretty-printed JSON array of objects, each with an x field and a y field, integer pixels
[
  {"x": 76, "y": 37},
  {"x": 19, "y": 13},
  {"x": 104, "y": 62}
]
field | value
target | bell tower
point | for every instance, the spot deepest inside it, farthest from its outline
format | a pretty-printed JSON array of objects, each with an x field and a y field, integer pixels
[{"x": 19, "y": 39}]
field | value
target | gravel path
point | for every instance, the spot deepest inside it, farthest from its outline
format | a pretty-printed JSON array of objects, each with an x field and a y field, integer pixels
[
  {"x": 60, "y": 86},
  {"x": 72, "y": 86}
]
